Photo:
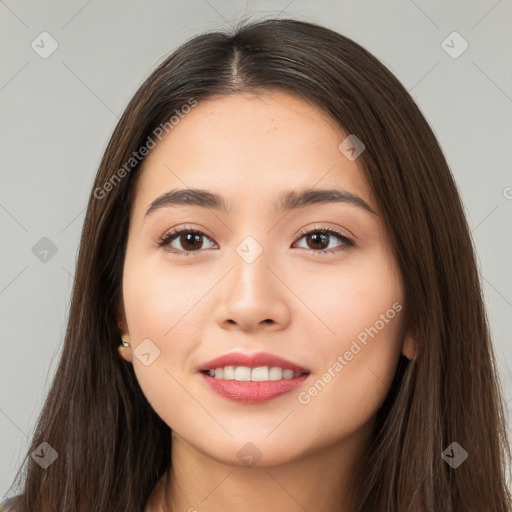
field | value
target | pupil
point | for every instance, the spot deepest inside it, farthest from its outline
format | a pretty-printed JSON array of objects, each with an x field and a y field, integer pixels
[
  {"x": 316, "y": 237},
  {"x": 192, "y": 239}
]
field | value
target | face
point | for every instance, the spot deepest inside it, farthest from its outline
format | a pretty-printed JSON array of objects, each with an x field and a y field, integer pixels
[{"x": 313, "y": 282}]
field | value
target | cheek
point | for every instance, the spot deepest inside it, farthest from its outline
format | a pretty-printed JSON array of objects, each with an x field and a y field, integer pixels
[
  {"x": 160, "y": 305},
  {"x": 359, "y": 351},
  {"x": 355, "y": 296},
  {"x": 354, "y": 383},
  {"x": 160, "y": 300}
]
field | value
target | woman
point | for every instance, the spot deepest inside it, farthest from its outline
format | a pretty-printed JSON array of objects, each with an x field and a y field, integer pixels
[{"x": 276, "y": 238}]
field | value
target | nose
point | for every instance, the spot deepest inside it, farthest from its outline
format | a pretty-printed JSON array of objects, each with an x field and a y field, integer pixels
[{"x": 253, "y": 295}]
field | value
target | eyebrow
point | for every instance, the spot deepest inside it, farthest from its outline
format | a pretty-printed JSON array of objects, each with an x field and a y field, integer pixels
[{"x": 290, "y": 200}]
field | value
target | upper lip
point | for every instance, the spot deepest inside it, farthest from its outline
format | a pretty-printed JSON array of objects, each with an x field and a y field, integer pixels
[{"x": 252, "y": 361}]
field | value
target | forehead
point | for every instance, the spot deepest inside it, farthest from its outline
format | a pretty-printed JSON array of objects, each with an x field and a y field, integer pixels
[{"x": 260, "y": 144}]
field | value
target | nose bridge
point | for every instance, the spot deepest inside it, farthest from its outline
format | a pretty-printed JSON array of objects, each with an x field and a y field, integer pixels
[
  {"x": 250, "y": 261},
  {"x": 252, "y": 293}
]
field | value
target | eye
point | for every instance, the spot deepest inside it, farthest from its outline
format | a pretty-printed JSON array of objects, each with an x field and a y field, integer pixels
[
  {"x": 319, "y": 237},
  {"x": 190, "y": 240}
]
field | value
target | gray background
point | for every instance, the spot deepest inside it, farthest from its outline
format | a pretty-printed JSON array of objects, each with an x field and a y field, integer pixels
[{"x": 57, "y": 115}]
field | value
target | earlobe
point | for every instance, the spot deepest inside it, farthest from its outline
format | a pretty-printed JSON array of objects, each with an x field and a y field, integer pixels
[
  {"x": 409, "y": 347},
  {"x": 124, "y": 349},
  {"x": 124, "y": 337}
]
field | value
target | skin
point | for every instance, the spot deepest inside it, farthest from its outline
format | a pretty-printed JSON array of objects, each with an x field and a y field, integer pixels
[{"x": 250, "y": 149}]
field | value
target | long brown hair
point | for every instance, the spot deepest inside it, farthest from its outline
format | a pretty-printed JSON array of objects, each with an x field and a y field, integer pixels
[{"x": 112, "y": 447}]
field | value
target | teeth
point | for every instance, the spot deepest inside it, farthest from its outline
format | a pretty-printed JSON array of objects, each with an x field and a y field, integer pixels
[
  {"x": 275, "y": 373},
  {"x": 229, "y": 373},
  {"x": 242, "y": 373},
  {"x": 259, "y": 374},
  {"x": 287, "y": 374}
]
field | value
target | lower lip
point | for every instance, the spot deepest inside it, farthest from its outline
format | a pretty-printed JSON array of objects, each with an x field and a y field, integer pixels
[{"x": 252, "y": 392}]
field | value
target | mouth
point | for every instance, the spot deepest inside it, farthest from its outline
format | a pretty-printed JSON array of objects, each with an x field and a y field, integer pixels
[
  {"x": 258, "y": 374},
  {"x": 252, "y": 378}
]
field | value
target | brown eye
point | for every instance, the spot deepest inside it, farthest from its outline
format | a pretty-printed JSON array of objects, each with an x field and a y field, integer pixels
[
  {"x": 188, "y": 240},
  {"x": 318, "y": 240}
]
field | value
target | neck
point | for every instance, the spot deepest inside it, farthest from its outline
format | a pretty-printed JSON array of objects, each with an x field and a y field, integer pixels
[{"x": 322, "y": 480}]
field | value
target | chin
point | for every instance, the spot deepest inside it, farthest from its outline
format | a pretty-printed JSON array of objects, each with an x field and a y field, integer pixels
[{"x": 254, "y": 451}]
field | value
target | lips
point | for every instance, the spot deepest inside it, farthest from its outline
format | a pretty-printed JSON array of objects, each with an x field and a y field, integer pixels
[
  {"x": 250, "y": 391},
  {"x": 252, "y": 361}
]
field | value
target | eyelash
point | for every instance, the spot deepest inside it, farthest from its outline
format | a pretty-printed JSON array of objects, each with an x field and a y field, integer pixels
[{"x": 168, "y": 237}]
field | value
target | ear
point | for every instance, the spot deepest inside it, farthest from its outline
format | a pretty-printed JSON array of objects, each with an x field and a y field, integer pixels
[
  {"x": 124, "y": 352},
  {"x": 121, "y": 319},
  {"x": 409, "y": 345}
]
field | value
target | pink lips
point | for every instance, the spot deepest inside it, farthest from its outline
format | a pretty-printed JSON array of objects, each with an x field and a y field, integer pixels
[{"x": 251, "y": 392}]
